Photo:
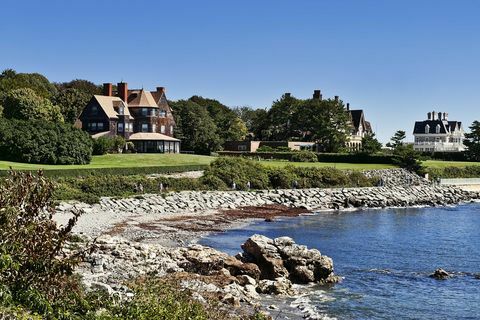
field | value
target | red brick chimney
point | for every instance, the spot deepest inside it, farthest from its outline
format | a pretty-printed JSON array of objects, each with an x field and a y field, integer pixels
[
  {"x": 161, "y": 89},
  {"x": 107, "y": 89},
  {"x": 122, "y": 91}
]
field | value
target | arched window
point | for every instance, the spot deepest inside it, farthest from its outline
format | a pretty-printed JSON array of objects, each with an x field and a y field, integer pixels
[
  {"x": 437, "y": 129},
  {"x": 427, "y": 129}
]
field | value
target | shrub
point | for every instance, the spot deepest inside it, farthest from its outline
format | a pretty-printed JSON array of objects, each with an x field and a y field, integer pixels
[
  {"x": 304, "y": 156},
  {"x": 239, "y": 171},
  {"x": 282, "y": 178},
  {"x": 104, "y": 145},
  {"x": 34, "y": 271},
  {"x": 43, "y": 142}
]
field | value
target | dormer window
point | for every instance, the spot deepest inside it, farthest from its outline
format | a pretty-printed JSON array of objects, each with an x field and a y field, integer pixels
[
  {"x": 144, "y": 111},
  {"x": 94, "y": 110},
  {"x": 437, "y": 129},
  {"x": 427, "y": 129},
  {"x": 121, "y": 110},
  {"x": 162, "y": 113}
]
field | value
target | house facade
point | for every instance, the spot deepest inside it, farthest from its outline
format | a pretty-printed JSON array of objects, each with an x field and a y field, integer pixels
[
  {"x": 359, "y": 129},
  {"x": 140, "y": 116},
  {"x": 438, "y": 134}
]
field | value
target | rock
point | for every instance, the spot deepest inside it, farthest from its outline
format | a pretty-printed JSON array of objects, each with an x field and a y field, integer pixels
[
  {"x": 231, "y": 300},
  {"x": 237, "y": 267},
  {"x": 477, "y": 276},
  {"x": 265, "y": 255},
  {"x": 302, "y": 274},
  {"x": 440, "y": 274},
  {"x": 244, "y": 280},
  {"x": 279, "y": 286}
]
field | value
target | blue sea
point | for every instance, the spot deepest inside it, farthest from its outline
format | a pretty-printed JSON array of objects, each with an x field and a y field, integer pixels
[{"x": 385, "y": 257}]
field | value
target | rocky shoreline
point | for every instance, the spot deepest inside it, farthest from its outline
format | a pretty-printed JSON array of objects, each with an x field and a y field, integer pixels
[{"x": 154, "y": 234}]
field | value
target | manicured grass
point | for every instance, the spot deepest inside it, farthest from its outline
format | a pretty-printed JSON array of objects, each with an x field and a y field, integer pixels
[
  {"x": 342, "y": 166},
  {"x": 443, "y": 164},
  {"x": 119, "y": 161}
]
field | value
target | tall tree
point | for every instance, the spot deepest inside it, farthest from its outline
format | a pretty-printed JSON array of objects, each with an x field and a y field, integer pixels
[
  {"x": 397, "y": 139},
  {"x": 71, "y": 102},
  {"x": 10, "y": 80},
  {"x": 472, "y": 142},
  {"x": 323, "y": 121},
  {"x": 256, "y": 121},
  {"x": 84, "y": 86},
  {"x": 280, "y": 126},
  {"x": 370, "y": 144},
  {"x": 195, "y": 127},
  {"x": 25, "y": 104}
]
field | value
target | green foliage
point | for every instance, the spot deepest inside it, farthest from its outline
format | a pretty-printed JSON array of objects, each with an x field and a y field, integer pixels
[
  {"x": 472, "y": 142},
  {"x": 71, "y": 102},
  {"x": 37, "y": 141},
  {"x": 84, "y": 86},
  {"x": 104, "y": 145},
  {"x": 370, "y": 144},
  {"x": 304, "y": 156},
  {"x": 406, "y": 157},
  {"x": 255, "y": 120},
  {"x": 237, "y": 130},
  {"x": 34, "y": 271},
  {"x": 397, "y": 139},
  {"x": 239, "y": 171},
  {"x": 273, "y": 149},
  {"x": 25, "y": 104},
  {"x": 454, "y": 172},
  {"x": 322, "y": 157},
  {"x": 195, "y": 127},
  {"x": 10, "y": 80}
]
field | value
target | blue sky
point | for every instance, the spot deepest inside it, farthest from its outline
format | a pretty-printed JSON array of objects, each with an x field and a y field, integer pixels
[{"x": 395, "y": 59}]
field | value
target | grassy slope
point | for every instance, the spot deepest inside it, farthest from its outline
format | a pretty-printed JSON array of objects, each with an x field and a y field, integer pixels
[{"x": 120, "y": 161}]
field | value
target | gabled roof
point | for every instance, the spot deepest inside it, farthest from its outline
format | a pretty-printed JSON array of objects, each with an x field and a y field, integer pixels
[
  {"x": 357, "y": 117},
  {"x": 108, "y": 104},
  {"x": 142, "y": 98}
]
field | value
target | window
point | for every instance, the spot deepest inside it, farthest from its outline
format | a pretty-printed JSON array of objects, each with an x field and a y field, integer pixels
[
  {"x": 94, "y": 110},
  {"x": 242, "y": 147},
  {"x": 121, "y": 110},
  {"x": 437, "y": 129},
  {"x": 144, "y": 111},
  {"x": 120, "y": 127},
  {"x": 144, "y": 127},
  {"x": 94, "y": 126},
  {"x": 427, "y": 129},
  {"x": 162, "y": 129},
  {"x": 100, "y": 126},
  {"x": 154, "y": 128},
  {"x": 130, "y": 127},
  {"x": 162, "y": 113},
  {"x": 171, "y": 130}
]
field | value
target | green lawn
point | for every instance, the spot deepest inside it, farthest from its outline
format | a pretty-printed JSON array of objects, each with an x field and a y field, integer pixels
[
  {"x": 342, "y": 166},
  {"x": 120, "y": 161},
  {"x": 443, "y": 164}
]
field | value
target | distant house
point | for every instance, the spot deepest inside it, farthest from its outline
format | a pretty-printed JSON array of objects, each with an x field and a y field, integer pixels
[
  {"x": 359, "y": 129},
  {"x": 438, "y": 134},
  {"x": 140, "y": 116}
]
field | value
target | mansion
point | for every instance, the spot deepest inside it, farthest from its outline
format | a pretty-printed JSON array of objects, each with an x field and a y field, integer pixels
[
  {"x": 438, "y": 134},
  {"x": 140, "y": 116}
]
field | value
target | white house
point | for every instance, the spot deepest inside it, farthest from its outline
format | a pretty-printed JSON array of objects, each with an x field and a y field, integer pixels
[{"x": 438, "y": 134}]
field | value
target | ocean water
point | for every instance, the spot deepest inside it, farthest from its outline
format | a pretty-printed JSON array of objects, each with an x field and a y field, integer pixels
[{"x": 385, "y": 257}]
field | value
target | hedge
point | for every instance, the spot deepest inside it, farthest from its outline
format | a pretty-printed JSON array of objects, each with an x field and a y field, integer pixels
[
  {"x": 446, "y": 156},
  {"x": 322, "y": 157},
  {"x": 115, "y": 171}
]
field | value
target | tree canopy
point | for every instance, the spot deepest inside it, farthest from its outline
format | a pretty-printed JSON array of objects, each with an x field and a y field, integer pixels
[
  {"x": 10, "y": 80},
  {"x": 370, "y": 144},
  {"x": 25, "y": 104},
  {"x": 71, "y": 102},
  {"x": 472, "y": 142},
  {"x": 397, "y": 139}
]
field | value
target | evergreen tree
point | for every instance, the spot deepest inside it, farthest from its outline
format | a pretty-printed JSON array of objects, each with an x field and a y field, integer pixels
[{"x": 472, "y": 142}]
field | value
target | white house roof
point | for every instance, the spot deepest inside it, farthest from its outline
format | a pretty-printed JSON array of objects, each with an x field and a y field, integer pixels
[{"x": 151, "y": 136}]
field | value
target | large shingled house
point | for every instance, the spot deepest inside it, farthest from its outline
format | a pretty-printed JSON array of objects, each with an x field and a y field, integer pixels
[
  {"x": 438, "y": 134},
  {"x": 140, "y": 116}
]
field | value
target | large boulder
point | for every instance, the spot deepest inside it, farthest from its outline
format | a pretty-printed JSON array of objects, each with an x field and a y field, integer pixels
[
  {"x": 262, "y": 251},
  {"x": 283, "y": 258}
]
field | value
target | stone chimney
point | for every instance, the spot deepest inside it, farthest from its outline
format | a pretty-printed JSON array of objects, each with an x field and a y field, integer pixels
[
  {"x": 336, "y": 98},
  {"x": 440, "y": 116},
  {"x": 122, "y": 91},
  {"x": 445, "y": 116},
  {"x": 429, "y": 116},
  {"x": 161, "y": 89},
  {"x": 107, "y": 89},
  {"x": 317, "y": 95},
  {"x": 434, "y": 115},
  {"x": 287, "y": 94},
  {"x": 348, "y": 106}
]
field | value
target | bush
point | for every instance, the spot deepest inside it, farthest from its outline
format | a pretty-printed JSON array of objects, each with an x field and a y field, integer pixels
[
  {"x": 454, "y": 172},
  {"x": 104, "y": 145},
  {"x": 239, "y": 171},
  {"x": 282, "y": 178},
  {"x": 304, "y": 156},
  {"x": 43, "y": 142},
  {"x": 34, "y": 271}
]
